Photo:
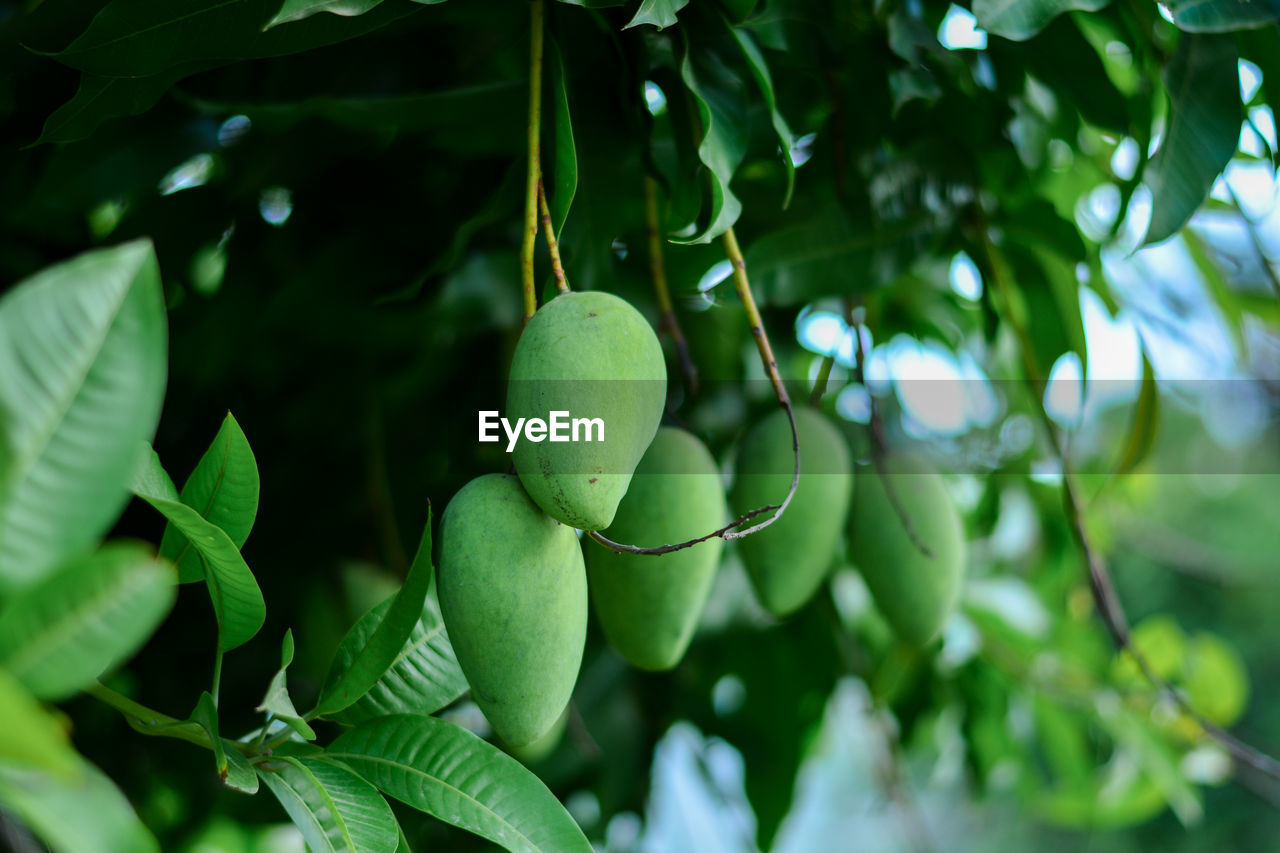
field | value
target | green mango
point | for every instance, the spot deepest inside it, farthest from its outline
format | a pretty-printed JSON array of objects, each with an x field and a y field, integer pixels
[
  {"x": 649, "y": 605},
  {"x": 513, "y": 593},
  {"x": 915, "y": 591},
  {"x": 591, "y": 355},
  {"x": 536, "y": 751},
  {"x": 788, "y": 560}
]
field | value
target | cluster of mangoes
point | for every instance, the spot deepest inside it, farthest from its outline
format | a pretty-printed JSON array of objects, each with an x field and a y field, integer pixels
[{"x": 513, "y": 579}]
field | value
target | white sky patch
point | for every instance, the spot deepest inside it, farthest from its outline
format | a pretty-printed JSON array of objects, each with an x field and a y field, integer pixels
[
  {"x": 1064, "y": 393},
  {"x": 1254, "y": 184},
  {"x": 719, "y": 272},
  {"x": 276, "y": 205},
  {"x": 1164, "y": 12},
  {"x": 821, "y": 331},
  {"x": 1124, "y": 160},
  {"x": 654, "y": 98},
  {"x": 959, "y": 30},
  {"x": 854, "y": 404},
  {"x": 1250, "y": 79},
  {"x": 1265, "y": 121},
  {"x": 189, "y": 174},
  {"x": 929, "y": 385},
  {"x": 965, "y": 279},
  {"x": 802, "y": 149}
]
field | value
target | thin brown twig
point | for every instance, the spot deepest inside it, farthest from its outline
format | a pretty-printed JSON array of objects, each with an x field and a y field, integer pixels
[
  {"x": 784, "y": 400},
  {"x": 1105, "y": 598},
  {"x": 553, "y": 245},
  {"x": 658, "y": 272}
]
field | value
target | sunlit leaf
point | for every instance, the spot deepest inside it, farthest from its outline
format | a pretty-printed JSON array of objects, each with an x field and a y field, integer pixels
[
  {"x": 277, "y": 702},
  {"x": 388, "y": 640},
  {"x": 296, "y": 10},
  {"x": 333, "y": 808},
  {"x": 656, "y": 13},
  {"x": 423, "y": 678},
  {"x": 1201, "y": 133},
  {"x": 458, "y": 778},
  {"x": 1144, "y": 421},
  {"x": 223, "y": 489},
  {"x": 233, "y": 769},
  {"x": 1223, "y": 16},
  {"x": 1022, "y": 19},
  {"x": 82, "y": 373},
  {"x": 237, "y": 599},
  {"x": 86, "y": 813},
  {"x": 760, "y": 70},
  {"x": 86, "y": 618},
  {"x": 31, "y": 737}
]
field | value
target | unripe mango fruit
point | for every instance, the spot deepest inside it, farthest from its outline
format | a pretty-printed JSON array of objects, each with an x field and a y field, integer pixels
[
  {"x": 513, "y": 593},
  {"x": 915, "y": 591},
  {"x": 649, "y": 605},
  {"x": 536, "y": 751},
  {"x": 594, "y": 356},
  {"x": 788, "y": 560}
]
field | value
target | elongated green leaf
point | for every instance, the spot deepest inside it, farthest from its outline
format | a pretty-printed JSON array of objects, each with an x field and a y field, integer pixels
[
  {"x": 101, "y": 98},
  {"x": 333, "y": 807},
  {"x": 223, "y": 489},
  {"x": 423, "y": 678},
  {"x": 82, "y": 372},
  {"x": 233, "y": 769},
  {"x": 31, "y": 737},
  {"x": 760, "y": 71},
  {"x": 566, "y": 152},
  {"x": 1223, "y": 16},
  {"x": 87, "y": 814},
  {"x": 1021, "y": 19},
  {"x": 84, "y": 619},
  {"x": 135, "y": 38},
  {"x": 237, "y": 599},
  {"x": 455, "y": 776},
  {"x": 1201, "y": 134},
  {"x": 1143, "y": 424},
  {"x": 657, "y": 13},
  {"x": 388, "y": 639},
  {"x": 721, "y": 132},
  {"x": 278, "y": 702},
  {"x": 296, "y": 10}
]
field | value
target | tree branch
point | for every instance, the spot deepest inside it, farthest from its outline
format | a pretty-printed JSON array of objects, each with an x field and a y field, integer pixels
[
  {"x": 553, "y": 246},
  {"x": 533, "y": 171},
  {"x": 771, "y": 368},
  {"x": 658, "y": 272}
]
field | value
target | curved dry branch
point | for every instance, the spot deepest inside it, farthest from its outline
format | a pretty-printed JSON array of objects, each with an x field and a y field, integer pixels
[{"x": 784, "y": 400}]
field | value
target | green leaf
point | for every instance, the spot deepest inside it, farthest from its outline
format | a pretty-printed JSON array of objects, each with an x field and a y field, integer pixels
[
  {"x": 388, "y": 639},
  {"x": 455, "y": 776},
  {"x": 101, "y": 98},
  {"x": 86, "y": 618},
  {"x": 87, "y": 814},
  {"x": 30, "y": 736},
  {"x": 136, "y": 38},
  {"x": 296, "y": 10},
  {"x": 233, "y": 769},
  {"x": 1021, "y": 19},
  {"x": 760, "y": 70},
  {"x": 1143, "y": 423},
  {"x": 423, "y": 678},
  {"x": 657, "y": 13},
  {"x": 332, "y": 806},
  {"x": 565, "y": 185},
  {"x": 721, "y": 130},
  {"x": 1201, "y": 133},
  {"x": 237, "y": 599},
  {"x": 1222, "y": 16},
  {"x": 1064, "y": 60},
  {"x": 278, "y": 702},
  {"x": 82, "y": 372},
  {"x": 223, "y": 489}
]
